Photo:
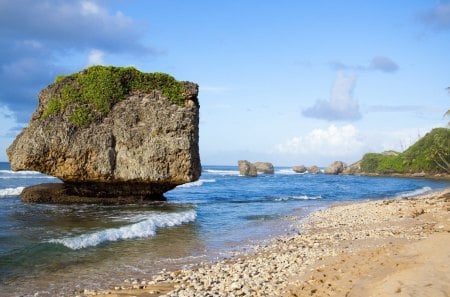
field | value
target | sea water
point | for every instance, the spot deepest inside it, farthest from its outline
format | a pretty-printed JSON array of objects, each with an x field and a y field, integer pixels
[{"x": 57, "y": 250}]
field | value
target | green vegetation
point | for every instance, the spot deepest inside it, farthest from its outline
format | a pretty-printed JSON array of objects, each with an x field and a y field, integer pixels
[
  {"x": 94, "y": 91},
  {"x": 430, "y": 154}
]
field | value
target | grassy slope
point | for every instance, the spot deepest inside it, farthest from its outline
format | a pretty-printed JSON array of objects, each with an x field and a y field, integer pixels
[{"x": 419, "y": 157}]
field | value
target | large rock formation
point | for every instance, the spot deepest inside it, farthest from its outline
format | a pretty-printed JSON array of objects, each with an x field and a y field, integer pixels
[
  {"x": 264, "y": 167},
  {"x": 112, "y": 133},
  {"x": 247, "y": 169},
  {"x": 336, "y": 168}
]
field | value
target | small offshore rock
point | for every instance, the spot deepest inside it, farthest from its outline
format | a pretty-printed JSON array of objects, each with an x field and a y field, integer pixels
[
  {"x": 247, "y": 169},
  {"x": 299, "y": 169},
  {"x": 264, "y": 167},
  {"x": 313, "y": 169},
  {"x": 336, "y": 168}
]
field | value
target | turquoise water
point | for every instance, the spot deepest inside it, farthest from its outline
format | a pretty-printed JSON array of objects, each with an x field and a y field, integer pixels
[{"x": 54, "y": 250}]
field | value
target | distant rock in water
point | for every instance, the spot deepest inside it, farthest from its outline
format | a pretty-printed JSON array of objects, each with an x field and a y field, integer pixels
[
  {"x": 112, "y": 133},
  {"x": 247, "y": 169},
  {"x": 336, "y": 168},
  {"x": 313, "y": 169},
  {"x": 299, "y": 169},
  {"x": 264, "y": 167}
]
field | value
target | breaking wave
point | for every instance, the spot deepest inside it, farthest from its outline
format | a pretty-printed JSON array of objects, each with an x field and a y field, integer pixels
[
  {"x": 11, "y": 191},
  {"x": 222, "y": 172},
  {"x": 8, "y": 174},
  {"x": 145, "y": 228},
  {"x": 197, "y": 183},
  {"x": 414, "y": 193},
  {"x": 302, "y": 197}
]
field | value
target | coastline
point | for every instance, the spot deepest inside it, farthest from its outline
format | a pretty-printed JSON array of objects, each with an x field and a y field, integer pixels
[{"x": 382, "y": 247}]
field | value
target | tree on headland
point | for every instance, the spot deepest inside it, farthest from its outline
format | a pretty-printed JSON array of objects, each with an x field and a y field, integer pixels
[
  {"x": 448, "y": 111},
  {"x": 440, "y": 151}
]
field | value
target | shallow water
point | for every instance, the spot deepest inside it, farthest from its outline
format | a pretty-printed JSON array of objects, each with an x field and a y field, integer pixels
[{"x": 57, "y": 249}]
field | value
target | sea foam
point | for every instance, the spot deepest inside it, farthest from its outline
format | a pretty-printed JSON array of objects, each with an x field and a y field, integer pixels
[
  {"x": 9, "y": 174},
  {"x": 197, "y": 183},
  {"x": 414, "y": 193},
  {"x": 301, "y": 197},
  {"x": 145, "y": 228},
  {"x": 221, "y": 172},
  {"x": 286, "y": 171},
  {"x": 11, "y": 191}
]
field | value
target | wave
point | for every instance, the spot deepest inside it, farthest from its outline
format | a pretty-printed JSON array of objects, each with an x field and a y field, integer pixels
[
  {"x": 11, "y": 191},
  {"x": 302, "y": 197},
  {"x": 197, "y": 183},
  {"x": 9, "y": 174},
  {"x": 414, "y": 193},
  {"x": 145, "y": 228},
  {"x": 221, "y": 172},
  {"x": 286, "y": 171}
]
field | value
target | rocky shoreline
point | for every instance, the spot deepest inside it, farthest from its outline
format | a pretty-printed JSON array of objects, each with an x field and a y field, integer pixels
[{"x": 382, "y": 248}]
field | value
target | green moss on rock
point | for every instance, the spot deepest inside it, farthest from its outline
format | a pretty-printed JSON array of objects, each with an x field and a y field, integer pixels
[{"x": 97, "y": 89}]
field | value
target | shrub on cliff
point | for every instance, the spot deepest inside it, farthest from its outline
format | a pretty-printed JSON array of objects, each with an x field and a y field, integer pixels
[
  {"x": 93, "y": 92},
  {"x": 430, "y": 154}
]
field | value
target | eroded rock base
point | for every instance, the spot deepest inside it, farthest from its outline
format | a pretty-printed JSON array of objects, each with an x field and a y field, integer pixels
[{"x": 94, "y": 193}]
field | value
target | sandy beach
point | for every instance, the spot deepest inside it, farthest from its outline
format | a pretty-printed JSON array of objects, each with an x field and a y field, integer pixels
[{"x": 395, "y": 247}]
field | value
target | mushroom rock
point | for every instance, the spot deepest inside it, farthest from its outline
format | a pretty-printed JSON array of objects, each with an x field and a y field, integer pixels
[{"x": 112, "y": 135}]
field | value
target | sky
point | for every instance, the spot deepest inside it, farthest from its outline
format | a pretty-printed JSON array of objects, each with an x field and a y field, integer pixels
[{"x": 289, "y": 82}]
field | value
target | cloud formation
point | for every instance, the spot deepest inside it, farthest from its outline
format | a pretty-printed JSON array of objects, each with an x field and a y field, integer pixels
[
  {"x": 383, "y": 64},
  {"x": 341, "y": 105},
  {"x": 36, "y": 36},
  {"x": 438, "y": 17},
  {"x": 332, "y": 141},
  {"x": 96, "y": 57},
  {"x": 378, "y": 63}
]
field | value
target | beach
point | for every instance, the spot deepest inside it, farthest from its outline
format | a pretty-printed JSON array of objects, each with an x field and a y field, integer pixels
[{"x": 392, "y": 247}]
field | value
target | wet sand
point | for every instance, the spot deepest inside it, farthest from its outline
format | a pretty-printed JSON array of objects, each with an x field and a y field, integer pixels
[{"x": 397, "y": 247}]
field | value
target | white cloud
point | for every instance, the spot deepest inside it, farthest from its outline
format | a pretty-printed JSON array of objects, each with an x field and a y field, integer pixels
[
  {"x": 332, "y": 141},
  {"x": 88, "y": 7},
  {"x": 95, "y": 57},
  {"x": 341, "y": 105}
]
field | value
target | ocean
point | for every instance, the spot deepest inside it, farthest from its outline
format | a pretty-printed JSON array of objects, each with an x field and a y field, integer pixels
[{"x": 58, "y": 250}]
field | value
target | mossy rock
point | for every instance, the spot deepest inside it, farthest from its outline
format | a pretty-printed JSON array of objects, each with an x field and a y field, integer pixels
[{"x": 92, "y": 92}]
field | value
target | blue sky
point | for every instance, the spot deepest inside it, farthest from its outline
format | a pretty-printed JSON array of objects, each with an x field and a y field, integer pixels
[{"x": 290, "y": 82}]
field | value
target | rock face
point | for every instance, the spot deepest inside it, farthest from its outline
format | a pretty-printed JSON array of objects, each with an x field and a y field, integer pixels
[
  {"x": 354, "y": 168},
  {"x": 299, "y": 169},
  {"x": 336, "y": 168},
  {"x": 264, "y": 167},
  {"x": 247, "y": 169},
  {"x": 313, "y": 169},
  {"x": 142, "y": 147}
]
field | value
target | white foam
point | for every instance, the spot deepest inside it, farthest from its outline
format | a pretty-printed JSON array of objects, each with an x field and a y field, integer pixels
[
  {"x": 286, "y": 172},
  {"x": 197, "y": 183},
  {"x": 302, "y": 197},
  {"x": 414, "y": 192},
  {"x": 9, "y": 174},
  {"x": 145, "y": 228},
  {"x": 11, "y": 191},
  {"x": 222, "y": 172}
]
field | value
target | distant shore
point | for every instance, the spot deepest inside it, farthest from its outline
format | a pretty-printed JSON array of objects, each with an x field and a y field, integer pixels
[{"x": 377, "y": 248}]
